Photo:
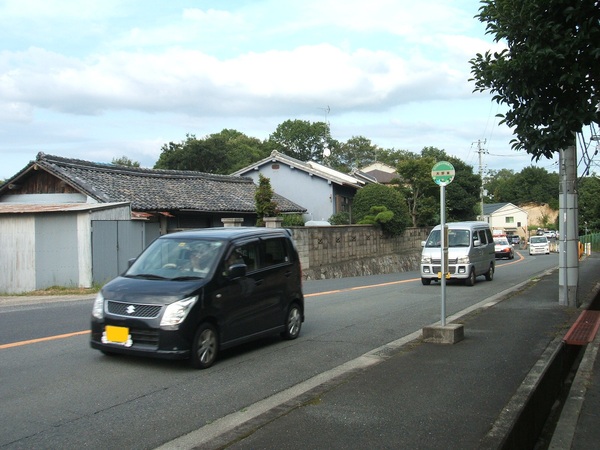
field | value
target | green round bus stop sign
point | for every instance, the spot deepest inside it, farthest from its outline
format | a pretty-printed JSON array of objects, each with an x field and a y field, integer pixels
[{"x": 443, "y": 173}]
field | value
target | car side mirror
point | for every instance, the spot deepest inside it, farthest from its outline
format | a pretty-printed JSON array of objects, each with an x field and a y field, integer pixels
[
  {"x": 422, "y": 243},
  {"x": 237, "y": 271},
  {"x": 476, "y": 243},
  {"x": 130, "y": 262}
]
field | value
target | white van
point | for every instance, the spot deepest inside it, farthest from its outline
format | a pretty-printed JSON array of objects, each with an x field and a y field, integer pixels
[
  {"x": 471, "y": 253},
  {"x": 539, "y": 245}
]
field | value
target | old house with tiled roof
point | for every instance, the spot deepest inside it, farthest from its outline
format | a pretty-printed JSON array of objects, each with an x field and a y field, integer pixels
[
  {"x": 72, "y": 222},
  {"x": 179, "y": 199}
]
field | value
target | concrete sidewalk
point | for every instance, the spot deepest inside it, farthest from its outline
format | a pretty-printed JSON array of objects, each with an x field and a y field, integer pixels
[{"x": 482, "y": 392}]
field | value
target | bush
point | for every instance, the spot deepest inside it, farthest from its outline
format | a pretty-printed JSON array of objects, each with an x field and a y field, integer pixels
[
  {"x": 292, "y": 220},
  {"x": 341, "y": 218},
  {"x": 393, "y": 219}
]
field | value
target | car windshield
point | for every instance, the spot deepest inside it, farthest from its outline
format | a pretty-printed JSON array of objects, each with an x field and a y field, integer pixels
[
  {"x": 539, "y": 240},
  {"x": 456, "y": 238},
  {"x": 501, "y": 241},
  {"x": 176, "y": 259}
]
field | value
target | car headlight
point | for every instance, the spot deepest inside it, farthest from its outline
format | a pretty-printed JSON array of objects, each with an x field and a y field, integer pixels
[
  {"x": 176, "y": 312},
  {"x": 98, "y": 308},
  {"x": 463, "y": 260},
  {"x": 425, "y": 259}
]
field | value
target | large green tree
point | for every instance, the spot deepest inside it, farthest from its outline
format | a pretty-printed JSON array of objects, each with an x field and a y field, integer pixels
[
  {"x": 499, "y": 186},
  {"x": 549, "y": 74},
  {"x": 530, "y": 185},
  {"x": 356, "y": 152},
  {"x": 219, "y": 153},
  {"x": 420, "y": 191},
  {"x": 589, "y": 204},
  {"x": 303, "y": 140}
]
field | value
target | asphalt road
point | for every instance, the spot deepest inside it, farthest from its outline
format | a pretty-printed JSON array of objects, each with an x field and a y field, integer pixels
[{"x": 59, "y": 393}]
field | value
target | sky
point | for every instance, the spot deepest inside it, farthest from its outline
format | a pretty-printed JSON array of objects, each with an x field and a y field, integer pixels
[{"x": 97, "y": 80}]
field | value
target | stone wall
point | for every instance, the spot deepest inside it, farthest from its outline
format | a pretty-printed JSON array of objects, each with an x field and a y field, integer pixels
[{"x": 356, "y": 250}]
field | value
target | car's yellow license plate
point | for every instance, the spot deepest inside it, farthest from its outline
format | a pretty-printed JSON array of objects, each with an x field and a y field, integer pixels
[{"x": 118, "y": 335}]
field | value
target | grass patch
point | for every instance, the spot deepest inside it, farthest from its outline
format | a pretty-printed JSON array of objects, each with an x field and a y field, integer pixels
[{"x": 60, "y": 290}]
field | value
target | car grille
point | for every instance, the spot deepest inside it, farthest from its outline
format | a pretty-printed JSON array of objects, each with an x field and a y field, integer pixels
[
  {"x": 451, "y": 269},
  {"x": 134, "y": 310},
  {"x": 144, "y": 337},
  {"x": 439, "y": 261}
]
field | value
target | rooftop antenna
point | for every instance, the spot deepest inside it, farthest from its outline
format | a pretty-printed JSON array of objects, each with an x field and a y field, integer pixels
[{"x": 326, "y": 150}]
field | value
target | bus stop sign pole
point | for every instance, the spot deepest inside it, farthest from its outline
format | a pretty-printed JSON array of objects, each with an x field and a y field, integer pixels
[{"x": 443, "y": 173}]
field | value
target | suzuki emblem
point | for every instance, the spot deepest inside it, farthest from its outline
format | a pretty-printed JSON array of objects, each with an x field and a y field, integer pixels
[{"x": 130, "y": 309}]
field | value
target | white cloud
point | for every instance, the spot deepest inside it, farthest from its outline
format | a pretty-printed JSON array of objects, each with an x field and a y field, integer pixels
[{"x": 118, "y": 77}]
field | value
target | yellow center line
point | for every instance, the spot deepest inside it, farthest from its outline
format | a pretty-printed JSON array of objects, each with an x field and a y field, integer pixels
[
  {"x": 368, "y": 286},
  {"x": 49, "y": 338}
]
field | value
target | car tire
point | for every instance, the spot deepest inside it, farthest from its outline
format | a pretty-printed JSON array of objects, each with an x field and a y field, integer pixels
[
  {"x": 205, "y": 347},
  {"x": 426, "y": 281},
  {"x": 293, "y": 323},
  {"x": 471, "y": 280},
  {"x": 489, "y": 275}
]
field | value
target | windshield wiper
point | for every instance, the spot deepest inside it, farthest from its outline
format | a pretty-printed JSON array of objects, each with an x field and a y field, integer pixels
[
  {"x": 149, "y": 276},
  {"x": 187, "y": 278}
]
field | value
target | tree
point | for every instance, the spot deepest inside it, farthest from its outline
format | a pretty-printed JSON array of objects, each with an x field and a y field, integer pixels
[
  {"x": 378, "y": 195},
  {"x": 265, "y": 206},
  {"x": 549, "y": 74},
  {"x": 356, "y": 152},
  {"x": 499, "y": 186},
  {"x": 124, "y": 161},
  {"x": 303, "y": 140},
  {"x": 220, "y": 153},
  {"x": 589, "y": 204},
  {"x": 537, "y": 185},
  {"x": 531, "y": 185},
  {"x": 463, "y": 194},
  {"x": 418, "y": 188}
]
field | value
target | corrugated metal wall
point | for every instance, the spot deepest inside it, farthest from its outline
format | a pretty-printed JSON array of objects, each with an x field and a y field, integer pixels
[
  {"x": 56, "y": 258},
  {"x": 115, "y": 242},
  {"x": 17, "y": 254}
]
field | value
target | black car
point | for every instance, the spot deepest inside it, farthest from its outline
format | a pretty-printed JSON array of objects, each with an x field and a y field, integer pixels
[
  {"x": 514, "y": 239},
  {"x": 193, "y": 293}
]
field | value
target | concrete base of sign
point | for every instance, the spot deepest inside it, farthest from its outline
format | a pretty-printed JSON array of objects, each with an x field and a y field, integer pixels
[{"x": 447, "y": 334}]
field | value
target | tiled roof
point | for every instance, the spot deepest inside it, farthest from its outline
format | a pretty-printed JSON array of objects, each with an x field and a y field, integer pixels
[
  {"x": 490, "y": 208},
  {"x": 382, "y": 177},
  {"x": 156, "y": 190}
]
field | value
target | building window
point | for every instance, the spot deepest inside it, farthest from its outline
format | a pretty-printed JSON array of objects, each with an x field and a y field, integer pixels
[
  {"x": 342, "y": 204},
  {"x": 509, "y": 220}
]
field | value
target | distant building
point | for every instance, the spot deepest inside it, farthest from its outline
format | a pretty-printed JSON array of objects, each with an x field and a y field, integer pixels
[
  {"x": 381, "y": 172},
  {"x": 506, "y": 217}
]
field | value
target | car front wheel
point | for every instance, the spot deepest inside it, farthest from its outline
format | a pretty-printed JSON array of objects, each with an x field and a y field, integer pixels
[
  {"x": 471, "y": 280},
  {"x": 293, "y": 323},
  {"x": 205, "y": 347},
  {"x": 426, "y": 281},
  {"x": 490, "y": 273}
]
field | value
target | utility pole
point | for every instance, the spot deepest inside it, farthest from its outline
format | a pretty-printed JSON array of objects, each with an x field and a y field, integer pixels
[
  {"x": 481, "y": 151},
  {"x": 568, "y": 262}
]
